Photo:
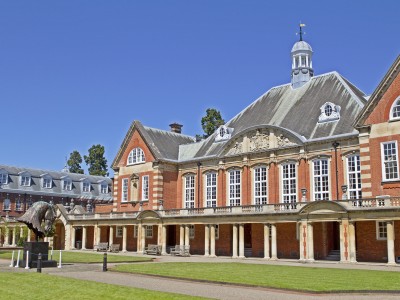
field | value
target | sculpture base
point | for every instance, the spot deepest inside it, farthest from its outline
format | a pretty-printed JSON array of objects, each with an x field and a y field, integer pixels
[{"x": 34, "y": 249}]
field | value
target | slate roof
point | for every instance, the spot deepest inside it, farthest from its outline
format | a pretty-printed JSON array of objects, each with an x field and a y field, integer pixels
[
  {"x": 296, "y": 110},
  {"x": 14, "y": 186}
]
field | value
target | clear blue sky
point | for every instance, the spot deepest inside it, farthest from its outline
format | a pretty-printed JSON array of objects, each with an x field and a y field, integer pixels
[{"x": 77, "y": 73}]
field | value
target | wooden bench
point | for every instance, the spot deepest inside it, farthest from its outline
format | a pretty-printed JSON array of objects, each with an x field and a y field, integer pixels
[
  {"x": 114, "y": 248},
  {"x": 101, "y": 247},
  {"x": 181, "y": 250},
  {"x": 153, "y": 249}
]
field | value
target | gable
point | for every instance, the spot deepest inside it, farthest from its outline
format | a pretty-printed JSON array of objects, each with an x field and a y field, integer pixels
[
  {"x": 381, "y": 112},
  {"x": 135, "y": 141}
]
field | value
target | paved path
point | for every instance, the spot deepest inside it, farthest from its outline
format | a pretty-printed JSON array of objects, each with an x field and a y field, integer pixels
[{"x": 210, "y": 290}]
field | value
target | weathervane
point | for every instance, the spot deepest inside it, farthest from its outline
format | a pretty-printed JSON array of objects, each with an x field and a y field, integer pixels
[{"x": 301, "y": 30}]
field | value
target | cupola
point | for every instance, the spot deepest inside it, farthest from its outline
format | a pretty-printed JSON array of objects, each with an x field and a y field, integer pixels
[{"x": 302, "y": 70}]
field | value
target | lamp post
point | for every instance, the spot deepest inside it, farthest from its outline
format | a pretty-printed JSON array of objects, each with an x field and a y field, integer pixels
[{"x": 335, "y": 145}]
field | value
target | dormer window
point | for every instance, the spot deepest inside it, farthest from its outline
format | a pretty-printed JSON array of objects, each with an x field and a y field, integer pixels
[
  {"x": 67, "y": 184},
  {"x": 47, "y": 181},
  {"x": 395, "y": 110},
  {"x": 25, "y": 179},
  {"x": 136, "y": 156},
  {"x": 86, "y": 186},
  {"x": 103, "y": 187},
  {"x": 3, "y": 177},
  {"x": 329, "y": 112},
  {"x": 223, "y": 133}
]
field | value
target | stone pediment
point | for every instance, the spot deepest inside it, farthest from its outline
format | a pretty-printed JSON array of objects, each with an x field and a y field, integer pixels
[
  {"x": 148, "y": 215},
  {"x": 261, "y": 139},
  {"x": 322, "y": 207}
]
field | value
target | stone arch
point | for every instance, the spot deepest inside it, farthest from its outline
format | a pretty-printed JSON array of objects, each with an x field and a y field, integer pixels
[
  {"x": 323, "y": 206},
  {"x": 148, "y": 214}
]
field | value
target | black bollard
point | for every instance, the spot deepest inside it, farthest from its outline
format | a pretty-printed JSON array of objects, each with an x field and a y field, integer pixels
[
  {"x": 105, "y": 262},
  {"x": 39, "y": 263}
]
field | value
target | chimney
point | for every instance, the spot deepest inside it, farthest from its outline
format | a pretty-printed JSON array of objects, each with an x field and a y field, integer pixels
[{"x": 175, "y": 127}]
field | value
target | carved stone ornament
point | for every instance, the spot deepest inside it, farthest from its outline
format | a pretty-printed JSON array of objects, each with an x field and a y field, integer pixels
[
  {"x": 236, "y": 148},
  {"x": 259, "y": 141},
  {"x": 283, "y": 141}
]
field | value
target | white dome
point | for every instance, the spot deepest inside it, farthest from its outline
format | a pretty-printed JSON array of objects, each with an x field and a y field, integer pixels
[{"x": 301, "y": 46}]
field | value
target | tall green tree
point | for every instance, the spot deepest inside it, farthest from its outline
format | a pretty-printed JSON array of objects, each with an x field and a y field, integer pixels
[
  {"x": 97, "y": 163},
  {"x": 74, "y": 162},
  {"x": 211, "y": 121}
]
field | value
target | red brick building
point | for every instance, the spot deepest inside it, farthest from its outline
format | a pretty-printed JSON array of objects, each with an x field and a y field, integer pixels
[{"x": 309, "y": 170}]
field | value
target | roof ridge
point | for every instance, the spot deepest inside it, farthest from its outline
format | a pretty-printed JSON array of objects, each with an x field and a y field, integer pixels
[{"x": 167, "y": 131}]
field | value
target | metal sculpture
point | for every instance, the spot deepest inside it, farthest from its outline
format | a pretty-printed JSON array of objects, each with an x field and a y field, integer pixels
[{"x": 39, "y": 212}]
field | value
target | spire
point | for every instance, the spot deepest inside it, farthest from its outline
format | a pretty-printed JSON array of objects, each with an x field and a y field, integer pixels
[
  {"x": 302, "y": 70},
  {"x": 66, "y": 168}
]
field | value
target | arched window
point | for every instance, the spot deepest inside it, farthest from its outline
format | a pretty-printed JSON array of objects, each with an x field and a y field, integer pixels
[
  {"x": 136, "y": 156},
  {"x": 395, "y": 111}
]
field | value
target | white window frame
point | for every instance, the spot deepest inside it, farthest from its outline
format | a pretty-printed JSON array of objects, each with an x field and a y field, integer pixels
[
  {"x": 104, "y": 188},
  {"x": 189, "y": 191},
  {"x": 19, "y": 205},
  {"x": 322, "y": 177},
  {"x": 47, "y": 182},
  {"x": 124, "y": 189},
  {"x": 149, "y": 231},
  {"x": 354, "y": 187},
  {"x": 289, "y": 193},
  {"x": 7, "y": 204},
  {"x": 384, "y": 174},
  {"x": 86, "y": 186},
  {"x": 210, "y": 189},
  {"x": 395, "y": 106},
  {"x": 136, "y": 156},
  {"x": 381, "y": 230},
  {"x": 234, "y": 185},
  {"x": 25, "y": 180},
  {"x": 145, "y": 187},
  {"x": 260, "y": 185},
  {"x": 3, "y": 177},
  {"x": 118, "y": 231},
  {"x": 67, "y": 184},
  {"x": 191, "y": 231}
]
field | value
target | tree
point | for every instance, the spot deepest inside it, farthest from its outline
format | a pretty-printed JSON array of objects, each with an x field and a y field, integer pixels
[
  {"x": 211, "y": 121},
  {"x": 96, "y": 161},
  {"x": 74, "y": 162}
]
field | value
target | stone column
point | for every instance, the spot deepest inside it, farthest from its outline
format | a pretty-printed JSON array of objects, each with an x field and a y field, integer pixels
[
  {"x": 266, "y": 241},
  {"x": 84, "y": 234},
  {"x": 21, "y": 232},
  {"x": 7, "y": 236},
  {"x": 390, "y": 243},
  {"x": 143, "y": 238},
  {"x": 164, "y": 240},
  {"x": 139, "y": 238},
  {"x": 344, "y": 241},
  {"x": 29, "y": 235},
  {"x": 0, "y": 237},
  {"x": 124, "y": 238},
  {"x": 187, "y": 237},
  {"x": 274, "y": 250},
  {"x": 73, "y": 231},
  {"x": 303, "y": 241},
  {"x": 206, "y": 240},
  {"x": 352, "y": 237},
  {"x": 310, "y": 242},
  {"x": 111, "y": 237},
  {"x": 182, "y": 235},
  {"x": 159, "y": 234},
  {"x": 14, "y": 241},
  {"x": 234, "y": 241},
  {"x": 95, "y": 237},
  {"x": 212, "y": 240},
  {"x": 241, "y": 240}
]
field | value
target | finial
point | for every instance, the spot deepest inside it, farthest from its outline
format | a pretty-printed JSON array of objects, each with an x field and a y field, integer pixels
[{"x": 301, "y": 30}]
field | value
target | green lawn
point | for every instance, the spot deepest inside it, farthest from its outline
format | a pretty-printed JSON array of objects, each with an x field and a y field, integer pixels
[
  {"x": 286, "y": 277},
  {"x": 42, "y": 286},
  {"x": 82, "y": 257}
]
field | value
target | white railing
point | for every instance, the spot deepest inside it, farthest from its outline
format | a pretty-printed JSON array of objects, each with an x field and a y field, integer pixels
[{"x": 293, "y": 207}]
